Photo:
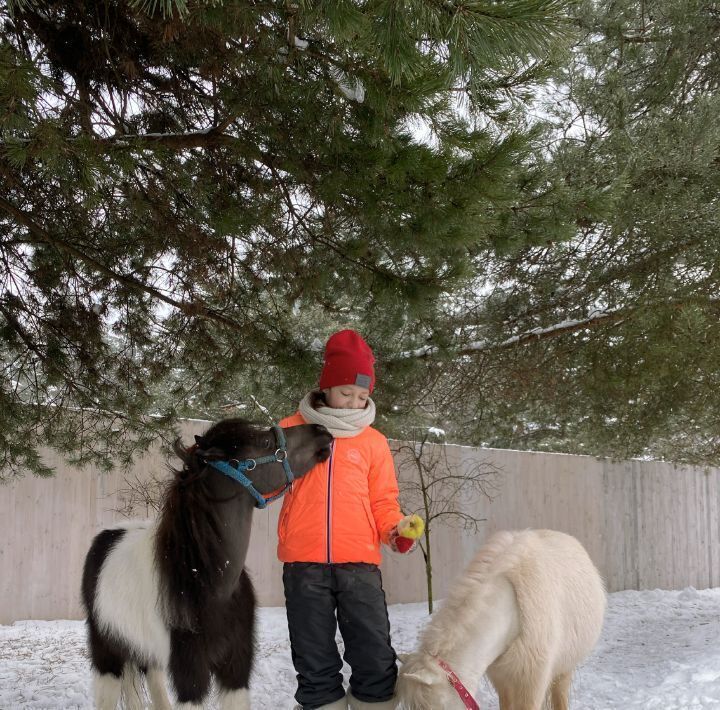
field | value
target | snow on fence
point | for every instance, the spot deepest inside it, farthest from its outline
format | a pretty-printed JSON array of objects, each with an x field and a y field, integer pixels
[{"x": 645, "y": 524}]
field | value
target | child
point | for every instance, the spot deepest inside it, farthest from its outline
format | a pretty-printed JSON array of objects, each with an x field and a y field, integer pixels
[{"x": 330, "y": 528}]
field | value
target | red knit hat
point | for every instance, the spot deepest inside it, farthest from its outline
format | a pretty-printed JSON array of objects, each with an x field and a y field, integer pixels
[{"x": 348, "y": 361}]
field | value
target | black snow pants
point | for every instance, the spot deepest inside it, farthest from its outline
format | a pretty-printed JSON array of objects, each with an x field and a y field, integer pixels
[{"x": 318, "y": 599}]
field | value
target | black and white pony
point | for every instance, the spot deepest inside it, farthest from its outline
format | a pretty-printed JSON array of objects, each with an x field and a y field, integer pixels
[{"x": 173, "y": 595}]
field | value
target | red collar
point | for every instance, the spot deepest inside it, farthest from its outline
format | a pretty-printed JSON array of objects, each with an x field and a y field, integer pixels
[{"x": 456, "y": 683}]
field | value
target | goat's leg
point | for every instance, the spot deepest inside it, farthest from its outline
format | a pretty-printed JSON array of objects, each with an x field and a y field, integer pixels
[
  {"x": 528, "y": 694},
  {"x": 532, "y": 696},
  {"x": 506, "y": 698},
  {"x": 559, "y": 692}
]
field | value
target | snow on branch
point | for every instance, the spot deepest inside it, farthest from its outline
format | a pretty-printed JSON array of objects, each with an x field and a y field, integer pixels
[
  {"x": 567, "y": 326},
  {"x": 353, "y": 90}
]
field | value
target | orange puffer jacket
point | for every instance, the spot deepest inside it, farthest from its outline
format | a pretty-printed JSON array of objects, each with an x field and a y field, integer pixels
[{"x": 342, "y": 508}]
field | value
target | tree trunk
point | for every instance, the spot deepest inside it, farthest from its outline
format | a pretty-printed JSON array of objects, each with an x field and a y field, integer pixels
[{"x": 428, "y": 570}]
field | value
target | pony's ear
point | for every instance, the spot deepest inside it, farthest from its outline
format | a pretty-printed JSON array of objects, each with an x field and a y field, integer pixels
[
  {"x": 214, "y": 453},
  {"x": 201, "y": 449}
]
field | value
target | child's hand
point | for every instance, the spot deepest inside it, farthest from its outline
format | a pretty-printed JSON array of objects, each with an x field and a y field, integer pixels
[{"x": 402, "y": 544}]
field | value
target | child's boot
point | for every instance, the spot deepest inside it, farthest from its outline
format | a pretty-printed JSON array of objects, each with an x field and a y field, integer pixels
[
  {"x": 337, "y": 705},
  {"x": 355, "y": 704}
]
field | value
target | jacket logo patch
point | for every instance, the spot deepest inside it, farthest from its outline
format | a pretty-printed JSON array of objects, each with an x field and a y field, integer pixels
[{"x": 353, "y": 455}]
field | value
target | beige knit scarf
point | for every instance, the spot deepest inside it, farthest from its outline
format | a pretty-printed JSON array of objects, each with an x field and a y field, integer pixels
[{"x": 341, "y": 423}]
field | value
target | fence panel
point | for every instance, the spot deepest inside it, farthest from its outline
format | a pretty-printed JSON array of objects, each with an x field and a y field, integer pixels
[{"x": 645, "y": 524}]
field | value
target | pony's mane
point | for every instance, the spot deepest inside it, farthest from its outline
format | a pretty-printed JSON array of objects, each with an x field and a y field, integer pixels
[{"x": 188, "y": 553}]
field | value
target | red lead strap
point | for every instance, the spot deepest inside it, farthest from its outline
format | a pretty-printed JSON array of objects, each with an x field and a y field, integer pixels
[{"x": 456, "y": 683}]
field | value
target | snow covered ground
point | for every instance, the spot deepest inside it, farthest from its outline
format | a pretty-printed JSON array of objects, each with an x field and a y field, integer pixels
[{"x": 659, "y": 650}]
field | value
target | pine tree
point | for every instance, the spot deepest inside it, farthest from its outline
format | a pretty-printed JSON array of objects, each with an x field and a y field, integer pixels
[
  {"x": 607, "y": 342},
  {"x": 192, "y": 192}
]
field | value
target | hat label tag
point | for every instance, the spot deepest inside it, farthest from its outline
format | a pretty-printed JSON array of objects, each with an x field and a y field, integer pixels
[{"x": 363, "y": 381}]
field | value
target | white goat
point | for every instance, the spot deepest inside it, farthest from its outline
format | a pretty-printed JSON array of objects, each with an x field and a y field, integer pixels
[{"x": 526, "y": 611}]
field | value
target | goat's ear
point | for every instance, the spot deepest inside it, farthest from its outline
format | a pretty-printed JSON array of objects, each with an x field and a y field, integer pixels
[
  {"x": 403, "y": 657},
  {"x": 423, "y": 676}
]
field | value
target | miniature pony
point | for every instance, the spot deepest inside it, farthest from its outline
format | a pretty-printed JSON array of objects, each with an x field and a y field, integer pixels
[{"x": 173, "y": 595}]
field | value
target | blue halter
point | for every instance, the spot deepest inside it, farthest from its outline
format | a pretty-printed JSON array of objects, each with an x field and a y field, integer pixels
[{"x": 237, "y": 471}]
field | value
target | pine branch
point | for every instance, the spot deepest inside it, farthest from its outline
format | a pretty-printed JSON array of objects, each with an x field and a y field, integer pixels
[
  {"x": 206, "y": 138},
  {"x": 474, "y": 348},
  {"x": 195, "y": 309},
  {"x": 595, "y": 319}
]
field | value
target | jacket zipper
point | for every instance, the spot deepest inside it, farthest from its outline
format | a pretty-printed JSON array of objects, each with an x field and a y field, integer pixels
[{"x": 328, "y": 536}]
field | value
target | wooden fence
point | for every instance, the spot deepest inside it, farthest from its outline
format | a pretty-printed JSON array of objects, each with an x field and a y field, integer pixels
[{"x": 645, "y": 524}]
